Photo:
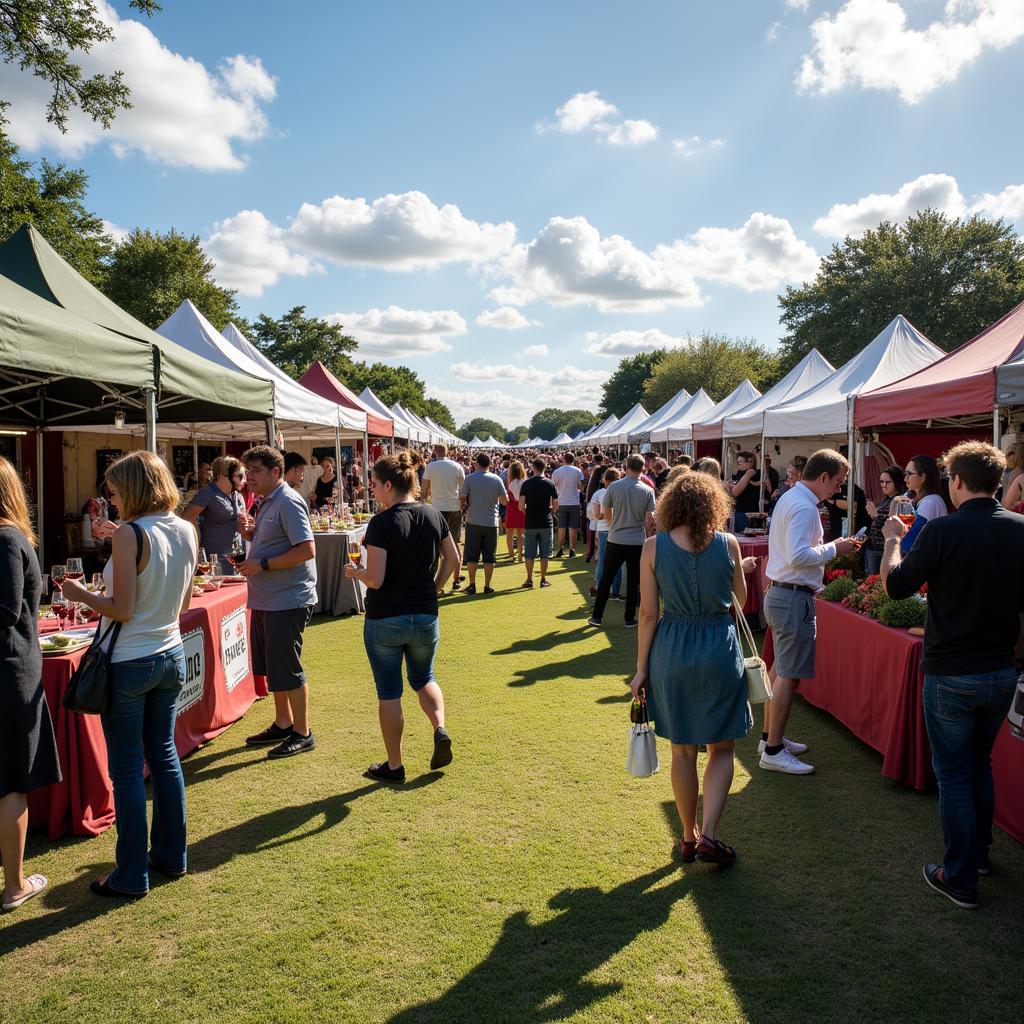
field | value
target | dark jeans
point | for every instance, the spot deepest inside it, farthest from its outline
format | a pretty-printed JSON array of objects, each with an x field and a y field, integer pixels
[
  {"x": 615, "y": 557},
  {"x": 139, "y": 722},
  {"x": 963, "y": 715}
]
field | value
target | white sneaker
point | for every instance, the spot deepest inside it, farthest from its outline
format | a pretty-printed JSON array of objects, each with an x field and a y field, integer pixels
[
  {"x": 791, "y": 745},
  {"x": 784, "y": 761}
]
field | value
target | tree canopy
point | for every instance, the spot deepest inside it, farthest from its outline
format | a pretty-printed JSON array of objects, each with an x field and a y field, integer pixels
[
  {"x": 715, "y": 363},
  {"x": 516, "y": 435},
  {"x": 481, "y": 427},
  {"x": 625, "y": 387},
  {"x": 295, "y": 341},
  {"x": 949, "y": 277},
  {"x": 42, "y": 37},
  {"x": 151, "y": 273},
  {"x": 53, "y": 199},
  {"x": 548, "y": 423}
]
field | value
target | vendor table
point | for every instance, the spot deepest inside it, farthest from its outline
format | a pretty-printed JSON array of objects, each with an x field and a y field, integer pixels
[
  {"x": 219, "y": 689},
  {"x": 869, "y": 677},
  {"x": 336, "y": 594},
  {"x": 758, "y": 548}
]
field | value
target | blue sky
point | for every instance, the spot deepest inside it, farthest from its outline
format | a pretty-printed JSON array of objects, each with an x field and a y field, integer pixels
[{"x": 712, "y": 153}]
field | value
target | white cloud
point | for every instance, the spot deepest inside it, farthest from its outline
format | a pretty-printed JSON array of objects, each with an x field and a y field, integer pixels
[
  {"x": 798, "y": 5},
  {"x": 567, "y": 376},
  {"x": 930, "y": 191},
  {"x": 569, "y": 263},
  {"x": 493, "y": 403},
  {"x": 116, "y": 232},
  {"x": 628, "y": 343},
  {"x": 535, "y": 350},
  {"x": 773, "y": 32},
  {"x": 396, "y": 232},
  {"x": 395, "y": 333},
  {"x": 182, "y": 114},
  {"x": 1009, "y": 203},
  {"x": 506, "y": 318},
  {"x": 869, "y": 44},
  {"x": 251, "y": 254},
  {"x": 694, "y": 145},
  {"x": 587, "y": 111}
]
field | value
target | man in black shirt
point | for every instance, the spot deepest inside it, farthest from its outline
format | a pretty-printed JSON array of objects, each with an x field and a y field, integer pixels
[
  {"x": 745, "y": 486},
  {"x": 973, "y": 563},
  {"x": 538, "y": 499}
]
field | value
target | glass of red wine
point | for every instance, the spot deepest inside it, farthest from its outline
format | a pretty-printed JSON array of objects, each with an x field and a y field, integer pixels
[
  {"x": 75, "y": 569},
  {"x": 58, "y": 573},
  {"x": 237, "y": 552}
]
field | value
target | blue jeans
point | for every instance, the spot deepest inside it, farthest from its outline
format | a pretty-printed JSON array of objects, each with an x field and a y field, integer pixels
[
  {"x": 413, "y": 638},
  {"x": 602, "y": 542},
  {"x": 739, "y": 523},
  {"x": 139, "y": 722},
  {"x": 872, "y": 561},
  {"x": 535, "y": 541},
  {"x": 963, "y": 715}
]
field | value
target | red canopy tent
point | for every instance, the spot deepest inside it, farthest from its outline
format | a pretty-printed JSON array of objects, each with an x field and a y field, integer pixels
[
  {"x": 319, "y": 379},
  {"x": 962, "y": 383}
]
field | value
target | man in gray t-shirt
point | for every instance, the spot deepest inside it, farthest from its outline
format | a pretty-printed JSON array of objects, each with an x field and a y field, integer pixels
[
  {"x": 281, "y": 573},
  {"x": 628, "y": 507},
  {"x": 481, "y": 493}
]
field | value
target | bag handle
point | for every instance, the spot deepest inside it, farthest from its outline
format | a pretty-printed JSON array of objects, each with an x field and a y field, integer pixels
[{"x": 743, "y": 628}]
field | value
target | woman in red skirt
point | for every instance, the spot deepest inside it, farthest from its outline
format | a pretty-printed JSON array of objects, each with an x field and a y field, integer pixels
[{"x": 514, "y": 519}]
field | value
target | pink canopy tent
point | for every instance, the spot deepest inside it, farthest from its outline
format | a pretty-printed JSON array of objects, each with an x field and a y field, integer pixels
[
  {"x": 319, "y": 379},
  {"x": 962, "y": 383}
]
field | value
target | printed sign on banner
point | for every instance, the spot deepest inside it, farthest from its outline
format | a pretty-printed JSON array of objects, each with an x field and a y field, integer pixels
[
  {"x": 195, "y": 670},
  {"x": 234, "y": 647}
]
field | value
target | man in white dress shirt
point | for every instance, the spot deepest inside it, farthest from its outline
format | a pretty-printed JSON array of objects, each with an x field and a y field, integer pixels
[{"x": 796, "y": 566}]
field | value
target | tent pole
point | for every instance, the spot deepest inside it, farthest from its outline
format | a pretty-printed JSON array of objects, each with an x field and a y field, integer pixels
[
  {"x": 996, "y": 432},
  {"x": 195, "y": 453},
  {"x": 764, "y": 448},
  {"x": 39, "y": 499},
  {"x": 337, "y": 459},
  {"x": 150, "y": 420},
  {"x": 366, "y": 461},
  {"x": 851, "y": 485},
  {"x": 271, "y": 430}
]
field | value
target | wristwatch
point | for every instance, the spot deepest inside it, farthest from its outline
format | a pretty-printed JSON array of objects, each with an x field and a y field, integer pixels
[{"x": 264, "y": 564}]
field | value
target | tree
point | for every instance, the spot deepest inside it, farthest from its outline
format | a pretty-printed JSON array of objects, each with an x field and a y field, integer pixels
[
  {"x": 625, "y": 387},
  {"x": 712, "y": 362},
  {"x": 41, "y": 37},
  {"x": 438, "y": 412},
  {"x": 295, "y": 341},
  {"x": 517, "y": 435},
  {"x": 53, "y": 199},
  {"x": 151, "y": 274},
  {"x": 482, "y": 428},
  {"x": 389, "y": 383},
  {"x": 549, "y": 423},
  {"x": 949, "y": 277}
]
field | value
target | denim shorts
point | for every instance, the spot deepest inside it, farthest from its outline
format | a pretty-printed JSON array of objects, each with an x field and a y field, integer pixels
[
  {"x": 412, "y": 638},
  {"x": 791, "y": 617},
  {"x": 481, "y": 544},
  {"x": 568, "y": 517},
  {"x": 534, "y": 539}
]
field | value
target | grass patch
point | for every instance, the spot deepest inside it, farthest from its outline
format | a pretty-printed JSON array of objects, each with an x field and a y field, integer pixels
[{"x": 532, "y": 881}]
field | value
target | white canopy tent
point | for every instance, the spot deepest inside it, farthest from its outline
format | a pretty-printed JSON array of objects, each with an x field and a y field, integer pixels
[
  {"x": 418, "y": 432},
  {"x": 476, "y": 443},
  {"x": 433, "y": 435},
  {"x": 372, "y": 402},
  {"x": 809, "y": 372},
  {"x": 493, "y": 442},
  {"x": 620, "y": 427},
  {"x": 296, "y": 410},
  {"x": 444, "y": 436},
  {"x": 595, "y": 432},
  {"x": 560, "y": 441},
  {"x": 697, "y": 407},
  {"x": 642, "y": 431}
]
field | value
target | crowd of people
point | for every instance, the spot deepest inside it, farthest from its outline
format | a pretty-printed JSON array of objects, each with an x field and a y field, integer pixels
[{"x": 667, "y": 525}]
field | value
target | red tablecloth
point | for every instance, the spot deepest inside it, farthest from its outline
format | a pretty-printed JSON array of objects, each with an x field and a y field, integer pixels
[
  {"x": 869, "y": 677},
  {"x": 219, "y": 689},
  {"x": 758, "y": 547}
]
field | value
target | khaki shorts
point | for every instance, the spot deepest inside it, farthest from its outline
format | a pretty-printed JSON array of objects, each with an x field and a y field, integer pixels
[{"x": 454, "y": 521}]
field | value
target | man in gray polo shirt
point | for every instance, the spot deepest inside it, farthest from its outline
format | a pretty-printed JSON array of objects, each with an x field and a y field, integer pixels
[
  {"x": 628, "y": 507},
  {"x": 481, "y": 494},
  {"x": 281, "y": 571}
]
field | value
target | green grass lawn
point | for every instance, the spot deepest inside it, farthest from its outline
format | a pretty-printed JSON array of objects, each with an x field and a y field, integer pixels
[{"x": 531, "y": 881}]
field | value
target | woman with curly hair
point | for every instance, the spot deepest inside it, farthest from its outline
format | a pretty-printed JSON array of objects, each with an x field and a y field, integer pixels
[{"x": 689, "y": 662}]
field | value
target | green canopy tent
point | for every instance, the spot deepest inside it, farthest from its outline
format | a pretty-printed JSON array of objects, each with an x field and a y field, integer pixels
[{"x": 189, "y": 388}]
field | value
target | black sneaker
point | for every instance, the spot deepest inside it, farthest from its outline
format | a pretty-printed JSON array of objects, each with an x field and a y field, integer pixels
[
  {"x": 934, "y": 876},
  {"x": 488, "y": 590},
  {"x": 616, "y": 597},
  {"x": 295, "y": 744},
  {"x": 385, "y": 773},
  {"x": 442, "y": 750},
  {"x": 594, "y": 622},
  {"x": 631, "y": 625},
  {"x": 558, "y": 553},
  {"x": 527, "y": 584},
  {"x": 984, "y": 864},
  {"x": 471, "y": 589},
  {"x": 545, "y": 583},
  {"x": 272, "y": 734},
  {"x": 457, "y": 585},
  {"x": 572, "y": 554}
]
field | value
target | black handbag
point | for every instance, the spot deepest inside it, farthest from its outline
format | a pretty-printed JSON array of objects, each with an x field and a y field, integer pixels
[{"x": 89, "y": 687}]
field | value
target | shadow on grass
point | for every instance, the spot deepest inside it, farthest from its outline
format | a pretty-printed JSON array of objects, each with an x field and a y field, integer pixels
[
  {"x": 284, "y": 825},
  {"x": 537, "y": 972}
]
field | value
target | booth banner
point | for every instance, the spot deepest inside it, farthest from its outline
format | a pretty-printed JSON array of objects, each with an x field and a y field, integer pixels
[
  {"x": 234, "y": 647},
  {"x": 195, "y": 670}
]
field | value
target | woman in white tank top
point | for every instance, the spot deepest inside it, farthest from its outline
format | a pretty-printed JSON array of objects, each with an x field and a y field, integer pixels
[{"x": 149, "y": 585}]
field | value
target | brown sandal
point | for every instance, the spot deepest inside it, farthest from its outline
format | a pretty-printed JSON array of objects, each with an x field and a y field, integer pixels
[
  {"x": 689, "y": 850},
  {"x": 714, "y": 851}
]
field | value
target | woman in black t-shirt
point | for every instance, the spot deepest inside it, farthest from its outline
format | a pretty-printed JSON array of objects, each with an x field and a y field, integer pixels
[{"x": 410, "y": 553}]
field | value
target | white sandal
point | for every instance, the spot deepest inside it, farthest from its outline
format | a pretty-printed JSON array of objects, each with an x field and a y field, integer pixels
[{"x": 38, "y": 883}]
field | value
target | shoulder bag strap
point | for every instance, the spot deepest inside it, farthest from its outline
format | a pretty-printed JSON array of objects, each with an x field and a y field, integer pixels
[
  {"x": 114, "y": 629},
  {"x": 743, "y": 628}
]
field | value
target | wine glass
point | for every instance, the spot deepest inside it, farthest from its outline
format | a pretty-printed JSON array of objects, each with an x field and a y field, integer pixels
[
  {"x": 59, "y": 607},
  {"x": 96, "y": 582},
  {"x": 355, "y": 551},
  {"x": 237, "y": 553},
  {"x": 58, "y": 573},
  {"x": 75, "y": 570},
  {"x": 903, "y": 508},
  {"x": 202, "y": 562}
]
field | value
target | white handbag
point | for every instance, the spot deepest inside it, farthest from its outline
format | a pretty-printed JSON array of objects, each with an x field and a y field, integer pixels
[
  {"x": 1016, "y": 713},
  {"x": 759, "y": 687},
  {"x": 642, "y": 752}
]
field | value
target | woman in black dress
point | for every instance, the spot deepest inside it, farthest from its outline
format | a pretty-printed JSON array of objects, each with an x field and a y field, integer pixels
[
  {"x": 325, "y": 486},
  {"x": 28, "y": 750}
]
